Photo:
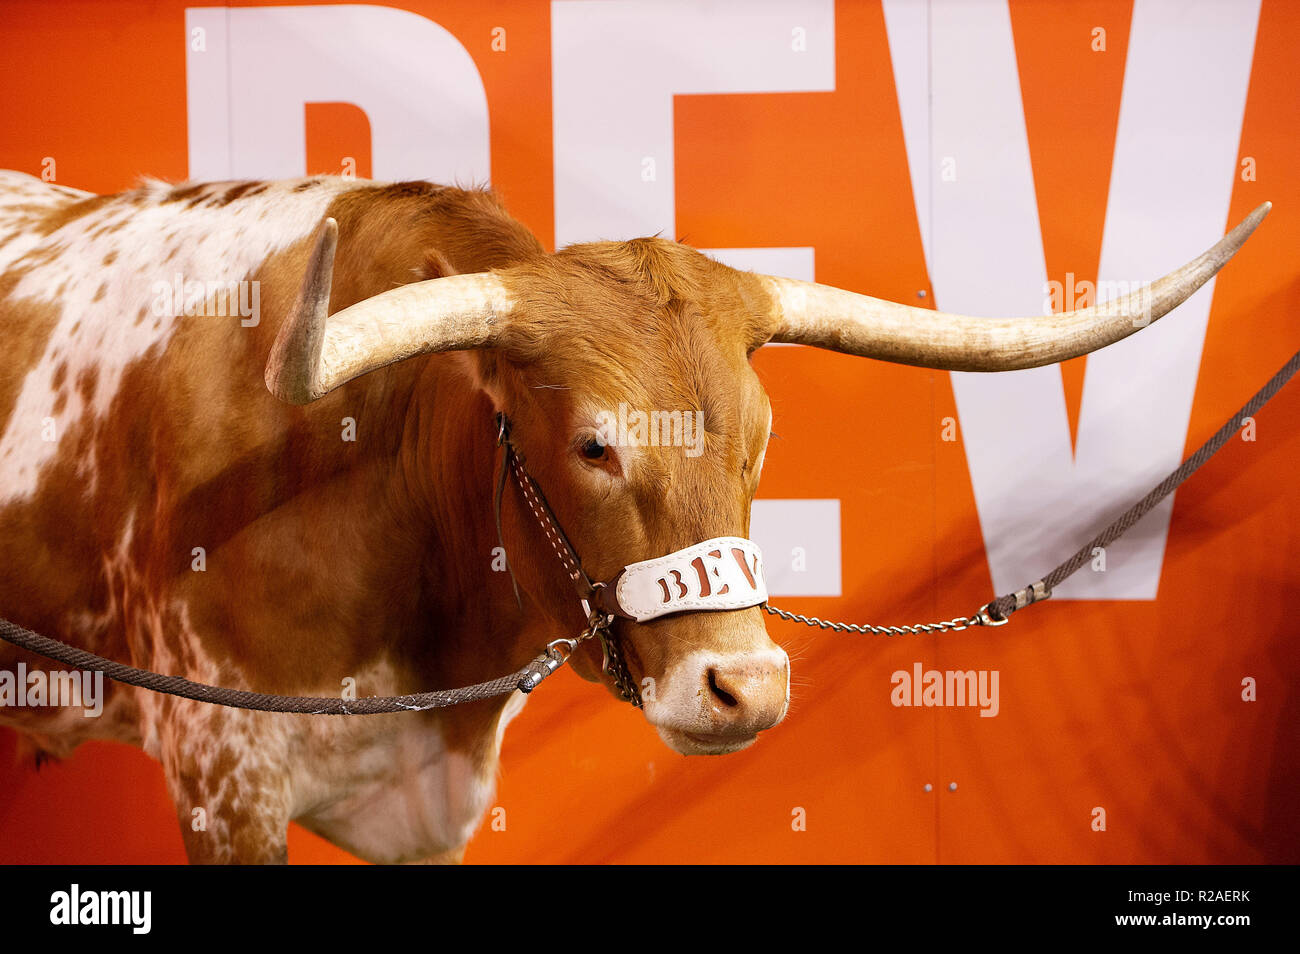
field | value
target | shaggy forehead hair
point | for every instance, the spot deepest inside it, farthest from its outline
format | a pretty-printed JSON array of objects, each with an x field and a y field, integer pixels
[{"x": 647, "y": 321}]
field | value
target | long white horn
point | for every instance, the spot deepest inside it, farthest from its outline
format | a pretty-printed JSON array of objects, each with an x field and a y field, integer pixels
[
  {"x": 827, "y": 317},
  {"x": 315, "y": 352}
]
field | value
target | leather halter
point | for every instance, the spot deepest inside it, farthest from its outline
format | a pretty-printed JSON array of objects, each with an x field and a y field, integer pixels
[
  {"x": 598, "y": 622},
  {"x": 719, "y": 574}
]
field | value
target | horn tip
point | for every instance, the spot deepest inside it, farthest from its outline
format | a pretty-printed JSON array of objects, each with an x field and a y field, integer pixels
[
  {"x": 327, "y": 233},
  {"x": 1251, "y": 222},
  {"x": 290, "y": 392},
  {"x": 273, "y": 377},
  {"x": 1237, "y": 237},
  {"x": 326, "y": 236}
]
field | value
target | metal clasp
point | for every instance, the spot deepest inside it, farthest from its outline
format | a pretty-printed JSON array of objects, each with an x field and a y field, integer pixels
[
  {"x": 553, "y": 649},
  {"x": 987, "y": 620},
  {"x": 564, "y": 647}
]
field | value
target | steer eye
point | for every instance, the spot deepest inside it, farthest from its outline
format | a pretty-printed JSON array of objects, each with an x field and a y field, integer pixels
[{"x": 593, "y": 449}]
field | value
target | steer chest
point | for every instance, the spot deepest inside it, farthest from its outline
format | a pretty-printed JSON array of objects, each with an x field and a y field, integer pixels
[{"x": 392, "y": 788}]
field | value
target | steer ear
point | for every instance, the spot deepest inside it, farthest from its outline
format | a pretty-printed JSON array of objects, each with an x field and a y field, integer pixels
[
  {"x": 315, "y": 352},
  {"x": 827, "y": 317},
  {"x": 484, "y": 369}
]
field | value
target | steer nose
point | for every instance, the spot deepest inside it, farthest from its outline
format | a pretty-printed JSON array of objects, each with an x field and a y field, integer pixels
[{"x": 748, "y": 693}]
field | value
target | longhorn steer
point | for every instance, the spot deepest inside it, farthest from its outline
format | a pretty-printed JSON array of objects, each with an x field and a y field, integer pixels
[{"x": 160, "y": 506}]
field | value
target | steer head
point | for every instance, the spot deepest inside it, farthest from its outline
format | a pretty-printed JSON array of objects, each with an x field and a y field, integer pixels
[
  {"x": 578, "y": 348},
  {"x": 625, "y": 370}
]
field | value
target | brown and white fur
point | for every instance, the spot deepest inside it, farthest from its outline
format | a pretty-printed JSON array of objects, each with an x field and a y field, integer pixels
[{"x": 370, "y": 559}]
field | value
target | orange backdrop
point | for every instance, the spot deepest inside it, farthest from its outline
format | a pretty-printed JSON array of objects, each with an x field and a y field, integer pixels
[{"x": 1132, "y": 706}]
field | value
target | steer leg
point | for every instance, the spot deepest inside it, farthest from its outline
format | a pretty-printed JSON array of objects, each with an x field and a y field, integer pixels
[{"x": 226, "y": 779}]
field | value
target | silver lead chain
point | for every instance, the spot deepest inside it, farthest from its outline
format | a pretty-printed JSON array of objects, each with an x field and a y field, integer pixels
[{"x": 981, "y": 618}]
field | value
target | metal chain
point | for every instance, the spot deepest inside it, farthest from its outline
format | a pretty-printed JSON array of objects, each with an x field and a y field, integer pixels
[
  {"x": 598, "y": 624},
  {"x": 616, "y": 666},
  {"x": 981, "y": 618}
]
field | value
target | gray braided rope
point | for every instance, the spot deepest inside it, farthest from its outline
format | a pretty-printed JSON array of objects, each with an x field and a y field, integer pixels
[
  {"x": 1000, "y": 609},
  {"x": 1004, "y": 606},
  {"x": 524, "y": 679}
]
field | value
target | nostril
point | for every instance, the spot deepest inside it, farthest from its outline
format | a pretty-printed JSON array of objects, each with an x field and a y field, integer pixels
[{"x": 727, "y": 698}]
